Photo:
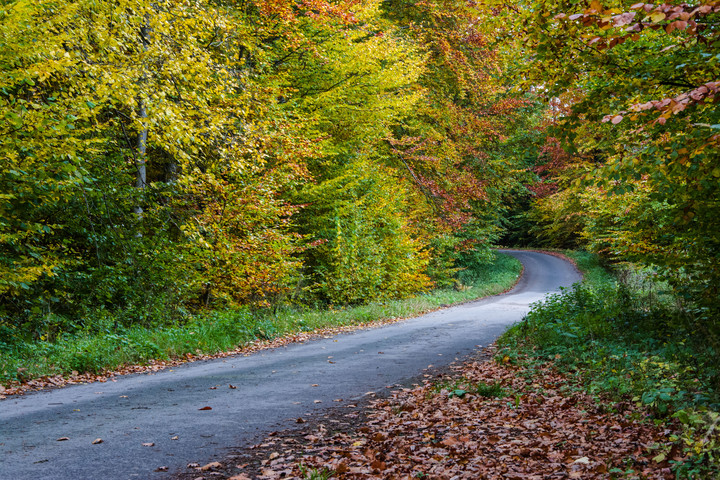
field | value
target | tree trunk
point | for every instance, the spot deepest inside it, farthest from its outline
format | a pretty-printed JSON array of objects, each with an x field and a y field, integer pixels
[{"x": 141, "y": 158}]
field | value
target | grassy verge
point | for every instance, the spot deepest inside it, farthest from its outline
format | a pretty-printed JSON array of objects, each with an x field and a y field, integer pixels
[
  {"x": 224, "y": 330},
  {"x": 624, "y": 338}
]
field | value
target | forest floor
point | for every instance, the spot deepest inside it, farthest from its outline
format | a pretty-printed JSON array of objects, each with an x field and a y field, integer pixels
[{"x": 488, "y": 416}]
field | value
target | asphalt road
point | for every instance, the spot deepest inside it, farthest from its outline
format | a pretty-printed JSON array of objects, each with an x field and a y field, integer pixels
[{"x": 274, "y": 387}]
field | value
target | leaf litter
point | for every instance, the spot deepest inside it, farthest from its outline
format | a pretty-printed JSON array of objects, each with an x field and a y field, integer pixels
[{"x": 536, "y": 425}]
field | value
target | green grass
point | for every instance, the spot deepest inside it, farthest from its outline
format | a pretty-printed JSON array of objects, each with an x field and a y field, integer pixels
[
  {"x": 109, "y": 346},
  {"x": 624, "y": 337},
  {"x": 460, "y": 386}
]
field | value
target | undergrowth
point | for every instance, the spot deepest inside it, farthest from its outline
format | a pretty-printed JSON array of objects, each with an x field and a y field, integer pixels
[
  {"x": 624, "y": 337},
  {"x": 105, "y": 344},
  {"x": 461, "y": 386}
]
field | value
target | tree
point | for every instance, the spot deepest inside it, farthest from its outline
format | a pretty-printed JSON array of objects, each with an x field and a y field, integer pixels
[{"x": 644, "y": 78}]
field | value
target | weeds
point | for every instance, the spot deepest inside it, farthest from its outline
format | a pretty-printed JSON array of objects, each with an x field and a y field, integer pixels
[
  {"x": 315, "y": 473},
  {"x": 625, "y": 338},
  {"x": 462, "y": 386}
]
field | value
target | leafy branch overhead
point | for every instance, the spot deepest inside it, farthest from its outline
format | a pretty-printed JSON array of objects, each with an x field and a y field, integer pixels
[{"x": 635, "y": 91}]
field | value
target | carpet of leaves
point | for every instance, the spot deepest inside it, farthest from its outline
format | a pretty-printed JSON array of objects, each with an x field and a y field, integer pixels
[{"x": 540, "y": 427}]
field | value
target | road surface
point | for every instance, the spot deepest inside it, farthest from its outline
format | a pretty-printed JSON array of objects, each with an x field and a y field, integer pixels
[{"x": 274, "y": 387}]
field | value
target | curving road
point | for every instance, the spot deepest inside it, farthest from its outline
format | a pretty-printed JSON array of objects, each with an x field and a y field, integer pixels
[{"x": 273, "y": 388}]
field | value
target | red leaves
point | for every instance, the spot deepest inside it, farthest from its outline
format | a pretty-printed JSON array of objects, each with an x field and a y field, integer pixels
[
  {"x": 676, "y": 25},
  {"x": 675, "y": 105},
  {"x": 210, "y": 467},
  {"x": 623, "y": 19},
  {"x": 668, "y": 17},
  {"x": 291, "y": 12},
  {"x": 671, "y": 106}
]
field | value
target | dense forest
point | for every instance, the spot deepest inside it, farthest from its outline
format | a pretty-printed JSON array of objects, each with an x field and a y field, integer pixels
[
  {"x": 167, "y": 158},
  {"x": 181, "y": 178}
]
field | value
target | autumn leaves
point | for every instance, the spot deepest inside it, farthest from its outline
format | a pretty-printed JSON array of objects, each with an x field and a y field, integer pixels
[{"x": 303, "y": 151}]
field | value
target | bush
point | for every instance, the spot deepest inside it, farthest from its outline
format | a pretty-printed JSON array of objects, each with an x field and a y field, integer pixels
[{"x": 628, "y": 339}]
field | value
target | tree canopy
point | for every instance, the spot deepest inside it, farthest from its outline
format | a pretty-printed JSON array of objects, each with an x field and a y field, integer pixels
[
  {"x": 163, "y": 158},
  {"x": 170, "y": 156}
]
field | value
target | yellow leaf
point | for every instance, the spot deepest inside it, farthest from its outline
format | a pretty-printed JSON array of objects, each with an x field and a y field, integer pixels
[{"x": 656, "y": 17}]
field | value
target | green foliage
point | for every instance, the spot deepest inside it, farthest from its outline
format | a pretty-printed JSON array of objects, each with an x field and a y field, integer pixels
[
  {"x": 701, "y": 437},
  {"x": 629, "y": 87},
  {"x": 81, "y": 228},
  {"x": 369, "y": 248},
  {"x": 630, "y": 340},
  {"x": 159, "y": 156},
  {"x": 461, "y": 386},
  {"x": 316, "y": 473},
  {"x": 102, "y": 342}
]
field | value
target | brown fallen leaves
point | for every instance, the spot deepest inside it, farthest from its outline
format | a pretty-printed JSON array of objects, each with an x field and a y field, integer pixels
[{"x": 542, "y": 429}]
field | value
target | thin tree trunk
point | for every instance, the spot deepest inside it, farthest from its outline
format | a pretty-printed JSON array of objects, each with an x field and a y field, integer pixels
[{"x": 141, "y": 158}]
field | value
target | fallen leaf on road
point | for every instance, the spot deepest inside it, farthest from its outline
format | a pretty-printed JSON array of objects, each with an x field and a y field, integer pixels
[
  {"x": 317, "y": 401},
  {"x": 97, "y": 440},
  {"x": 148, "y": 444},
  {"x": 175, "y": 438},
  {"x": 300, "y": 420},
  {"x": 210, "y": 466},
  {"x": 242, "y": 476},
  {"x": 62, "y": 439},
  {"x": 314, "y": 385},
  {"x": 205, "y": 408},
  {"x": 161, "y": 469},
  {"x": 233, "y": 387}
]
